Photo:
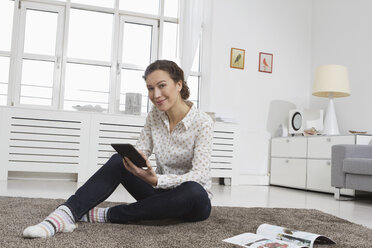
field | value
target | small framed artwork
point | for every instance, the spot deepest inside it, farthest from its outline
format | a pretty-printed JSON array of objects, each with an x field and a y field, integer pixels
[
  {"x": 265, "y": 63},
  {"x": 237, "y": 58}
]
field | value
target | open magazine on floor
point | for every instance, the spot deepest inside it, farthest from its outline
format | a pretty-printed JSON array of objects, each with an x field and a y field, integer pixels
[{"x": 271, "y": 236}]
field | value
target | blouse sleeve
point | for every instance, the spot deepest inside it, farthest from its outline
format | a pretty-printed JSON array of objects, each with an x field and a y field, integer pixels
[
  {"x": 144, "y": 142},
  {"x": 200, "y": 171}
]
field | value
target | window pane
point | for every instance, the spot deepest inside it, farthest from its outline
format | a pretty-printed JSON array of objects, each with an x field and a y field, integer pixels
[
  {"x": 4, "y": 69},
  {"x": 171, "y": 8},
  {"x": 90, "y": 35},
  {"x": 169, "y": 49},
  {"x": 41, "y": 32},
  {"x": 4, "y": 73},
  {"x": 3, "y": 100},
  {"x": 6, "y": 24},
  {"x": 195, "y": 63},
  {"x": 36, "y": 95},
  {"x": 34, "y": 100},
  {"x": 86, "y": 84},
  {"x": 37, "y": 73},
  {"x": 37, "y": 82},
  {"x": 132, "y": 82},
  {"x": 101, "y": 3},
  {"x": 137, "y": 50},
  {"x": 193, "y": 83},
  {"x": 142, "y": 6}
]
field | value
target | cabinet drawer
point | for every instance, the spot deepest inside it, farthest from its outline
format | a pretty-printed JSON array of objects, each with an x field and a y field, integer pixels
[
  {"x": 320, "y": 147},
  {"x": 289, "y": 147},
  {"x": 319, "y": 175},
  {"x": 363, "y": 139},
  {"x": 288, "y": 172}
]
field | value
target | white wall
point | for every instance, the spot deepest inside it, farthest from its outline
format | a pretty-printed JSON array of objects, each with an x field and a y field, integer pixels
[
  {"x": 342, "y": 34},
  {"x": 282, "y": 28}
]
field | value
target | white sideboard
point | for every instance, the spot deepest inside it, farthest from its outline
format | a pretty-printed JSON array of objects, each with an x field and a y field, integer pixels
[
  {"x": 305, "y": 162},
  {"x": 68, "y": 142}
]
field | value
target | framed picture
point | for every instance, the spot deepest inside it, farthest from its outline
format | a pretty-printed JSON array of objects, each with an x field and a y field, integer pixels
[
  {"x": 237, "y": 58},
  {"x": 265, "y": 63}
]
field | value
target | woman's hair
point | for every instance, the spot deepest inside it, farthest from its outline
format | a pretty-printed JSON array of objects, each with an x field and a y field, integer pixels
[{"x": 174, "y": 71}]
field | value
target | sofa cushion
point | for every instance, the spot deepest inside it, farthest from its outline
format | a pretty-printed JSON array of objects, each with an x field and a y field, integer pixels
[{"x": 361, "y": 166}]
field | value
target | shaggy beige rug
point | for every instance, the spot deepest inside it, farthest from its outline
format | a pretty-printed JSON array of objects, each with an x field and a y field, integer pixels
[{"x": 17, "y": 213}]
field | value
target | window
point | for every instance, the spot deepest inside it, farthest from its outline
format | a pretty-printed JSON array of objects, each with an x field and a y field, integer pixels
[
  {"x": 82, "y": 52},
  {"x": 169, "y": 47},
  {"x": 194, "y": 79},
  {"x": 171, "y": 8},
  {"x": 88, "y": 65},
  {"x": 86, "y": 84},
  {"x": 135, "y": 54},
  {"x": 90, "y": 35},
  {"x": 6, "y": 24},
  {"x": 4, "y": 69},
  {"x": 37, "y": 82},
  {"x": 39, "y": 61}
]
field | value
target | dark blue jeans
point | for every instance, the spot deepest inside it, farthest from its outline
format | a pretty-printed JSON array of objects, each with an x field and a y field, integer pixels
[{"x": 188, "y": 201}]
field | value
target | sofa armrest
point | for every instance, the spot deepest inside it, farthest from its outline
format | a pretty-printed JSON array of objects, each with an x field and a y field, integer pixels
[{"x": 339, "y": 153}]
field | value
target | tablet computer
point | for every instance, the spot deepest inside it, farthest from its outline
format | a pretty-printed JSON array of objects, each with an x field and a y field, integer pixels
[{"x": 128, "y": 150}]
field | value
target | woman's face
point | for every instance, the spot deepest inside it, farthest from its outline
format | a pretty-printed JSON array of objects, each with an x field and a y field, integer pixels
[{"x": 164, "y": 93}]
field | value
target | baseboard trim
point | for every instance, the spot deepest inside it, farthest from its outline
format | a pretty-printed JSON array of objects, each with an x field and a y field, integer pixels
[
  {"x": 248, "y": 179},
  {"x": 42, "y": 176}
]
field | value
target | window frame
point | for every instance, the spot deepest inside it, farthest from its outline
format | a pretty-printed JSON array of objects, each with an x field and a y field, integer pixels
[
  {"x": 21, "y": 55},
  {"x": 90, "y": 62},
  {"x": 122, "y": 66},
  {"x": 5, "y": 54},
  {"x": 60, "y": 59}
]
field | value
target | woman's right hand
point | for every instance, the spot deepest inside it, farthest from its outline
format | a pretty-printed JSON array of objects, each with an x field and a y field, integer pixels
[{"x": 148, "y": 175}]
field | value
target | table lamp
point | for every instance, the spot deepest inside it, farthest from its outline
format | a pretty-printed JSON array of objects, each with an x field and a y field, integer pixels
[{"x": 331, "y": 81}]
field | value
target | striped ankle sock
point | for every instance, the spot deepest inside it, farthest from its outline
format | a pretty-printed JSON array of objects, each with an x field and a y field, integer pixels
[
  {"x": 61, "y": 220},
  {"x": 95, "y": 215}
]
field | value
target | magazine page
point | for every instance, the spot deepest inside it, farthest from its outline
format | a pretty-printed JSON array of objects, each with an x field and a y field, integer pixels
[
  {"x": 258, "y": 241},
  {"x": 299, "y": 238}
]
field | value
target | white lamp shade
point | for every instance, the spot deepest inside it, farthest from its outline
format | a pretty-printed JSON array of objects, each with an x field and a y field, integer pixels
[{"x": 331, "y": 80}]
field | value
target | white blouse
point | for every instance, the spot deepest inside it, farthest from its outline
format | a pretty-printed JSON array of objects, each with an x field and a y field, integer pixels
[{"x": 182, "y": 155}]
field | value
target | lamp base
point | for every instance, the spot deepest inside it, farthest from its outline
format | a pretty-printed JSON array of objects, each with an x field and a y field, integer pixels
[{"x": 330, "y": 121}]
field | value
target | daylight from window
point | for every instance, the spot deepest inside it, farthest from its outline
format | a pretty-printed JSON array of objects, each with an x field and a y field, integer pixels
[{"x": 64, "y": 54}]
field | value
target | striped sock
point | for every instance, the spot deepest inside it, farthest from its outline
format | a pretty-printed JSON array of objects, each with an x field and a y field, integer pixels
[
  {"x": 95, "y": 215},
  {"x": 61, "y": 220}
]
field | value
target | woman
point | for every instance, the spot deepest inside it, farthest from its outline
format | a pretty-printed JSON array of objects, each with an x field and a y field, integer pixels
[{"x": 180, "y": 136}]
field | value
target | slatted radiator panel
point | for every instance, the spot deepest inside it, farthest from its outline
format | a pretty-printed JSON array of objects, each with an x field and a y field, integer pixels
[
  {"x": 223, "y": 150},
  {"x": 79, "y": 142},
  {"x": 3, "y": 145},
  {"x": 42, "y": 141},
  {"x": 115, "y": 129},
  {"x": 124, "y": 129}
]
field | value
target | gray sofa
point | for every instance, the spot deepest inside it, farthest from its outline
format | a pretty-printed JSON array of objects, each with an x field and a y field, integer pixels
[{"x": 351, "y": 168}]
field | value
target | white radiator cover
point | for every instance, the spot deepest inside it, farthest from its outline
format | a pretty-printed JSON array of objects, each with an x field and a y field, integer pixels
[{"x": 79, "y": 142}]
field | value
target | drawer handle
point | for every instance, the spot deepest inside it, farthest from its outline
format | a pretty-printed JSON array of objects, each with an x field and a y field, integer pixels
[
  {"x": 287, "y": 161},
  {"x": 328, "y": 162},
  {"x": 287, "y": 140},
  {"x": 329, "y": 139}
]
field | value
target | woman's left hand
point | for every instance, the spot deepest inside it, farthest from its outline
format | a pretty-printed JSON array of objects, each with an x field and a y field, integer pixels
[{"x": 148, "y": 175}]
